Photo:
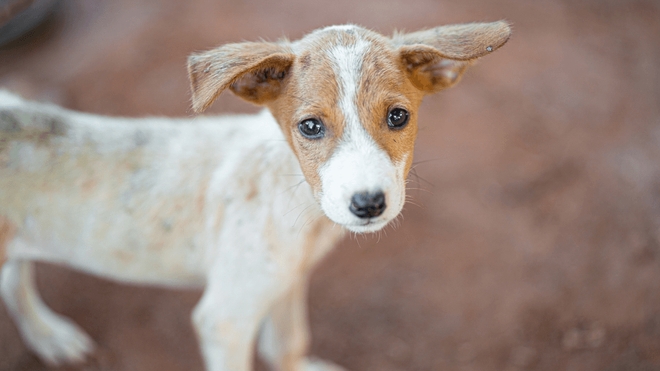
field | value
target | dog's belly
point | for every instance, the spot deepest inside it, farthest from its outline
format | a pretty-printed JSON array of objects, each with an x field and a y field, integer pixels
[
  {"x": 130, "y": 215},
  {"x": 111, "y": 244}
]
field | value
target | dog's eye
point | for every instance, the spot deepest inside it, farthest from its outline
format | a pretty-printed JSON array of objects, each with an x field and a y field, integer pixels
[
  {"x": 397, "y": 118},
  {"x": 311, "y": 128}
]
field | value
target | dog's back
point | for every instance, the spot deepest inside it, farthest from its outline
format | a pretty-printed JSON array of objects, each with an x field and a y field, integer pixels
[{"x": 127, "y": 194}]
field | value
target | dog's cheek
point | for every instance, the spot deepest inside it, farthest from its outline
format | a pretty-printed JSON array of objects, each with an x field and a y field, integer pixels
[
  {"x": 398, "y": 194},
  {"x": 309, "y": 156}
]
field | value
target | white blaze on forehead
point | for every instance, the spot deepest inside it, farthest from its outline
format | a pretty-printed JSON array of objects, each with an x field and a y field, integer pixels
[
  {"x": 358, "y": 163},
  {"x": 347, "y": 64},
  {"x": 339, "y": 27}
]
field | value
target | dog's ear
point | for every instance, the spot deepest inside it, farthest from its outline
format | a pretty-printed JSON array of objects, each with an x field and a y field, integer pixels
[
  {"x": 436, "y": 59},
  {"x": 254, "y": 71}
]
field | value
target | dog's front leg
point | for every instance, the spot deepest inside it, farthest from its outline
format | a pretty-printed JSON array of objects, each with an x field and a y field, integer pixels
[
  {"x": 237, "y": 297},
  {"x": 285, "y": 335}
]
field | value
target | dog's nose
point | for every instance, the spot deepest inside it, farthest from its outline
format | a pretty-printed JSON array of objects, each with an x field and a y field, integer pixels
[{"x": 368, "y": 205}]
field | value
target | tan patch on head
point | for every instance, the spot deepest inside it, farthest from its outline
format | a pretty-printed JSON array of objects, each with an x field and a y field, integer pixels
[
  {"x": 7, "y": 233},
  {"x": 384, "y": 86},
  {"x": 312, "y": 92}
]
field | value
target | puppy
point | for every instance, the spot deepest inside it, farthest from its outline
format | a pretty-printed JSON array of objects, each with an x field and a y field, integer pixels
[{"x": 243, "y": 206}]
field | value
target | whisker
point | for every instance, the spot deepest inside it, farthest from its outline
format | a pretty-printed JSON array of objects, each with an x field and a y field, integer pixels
[
  {"x": 414, "y": 172},
  {"x": 295, "y": 185},
  {"x": 293, "y": 193},
  {"x": 420, "y": 189},
  {"x": 409, "y": 197},
  {"x": 310, "y": 219},
  {"x": 295, "y": 207},
  {"x": 357, "y": 240},
  {"x": 303, "y": 210},
  {"x": 425, "y": 161},
  {"x": 395, "y": 224}
]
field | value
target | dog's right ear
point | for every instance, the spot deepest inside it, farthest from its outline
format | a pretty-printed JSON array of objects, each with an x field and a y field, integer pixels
[
  {"x": 436, "y": 59},
  {"x": 255, "y": 71}
]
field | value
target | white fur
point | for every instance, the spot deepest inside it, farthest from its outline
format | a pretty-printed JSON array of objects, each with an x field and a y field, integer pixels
[
  {"x": 56, "y": 338},
  {"x": 138, "y": 221},
  {"x": 208, "y": 202},
  {"x": 358, "y": 164}
]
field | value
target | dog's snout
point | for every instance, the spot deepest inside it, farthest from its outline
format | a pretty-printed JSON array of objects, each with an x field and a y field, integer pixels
[{"x": 368, "y": 205}]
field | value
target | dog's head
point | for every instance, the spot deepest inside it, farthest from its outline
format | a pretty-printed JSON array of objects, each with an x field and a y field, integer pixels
[{"x": 346, "y": 99}]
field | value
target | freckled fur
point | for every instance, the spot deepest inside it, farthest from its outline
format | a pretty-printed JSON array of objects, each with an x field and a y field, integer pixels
[
  {"x": 243, "y": 206},
  {"x": 7, "y": 231}
]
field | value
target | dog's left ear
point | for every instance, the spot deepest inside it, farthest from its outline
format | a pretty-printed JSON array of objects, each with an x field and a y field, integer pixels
[
  {"x": 436, "y": 59},
  {"x": 255, "y": 71}
]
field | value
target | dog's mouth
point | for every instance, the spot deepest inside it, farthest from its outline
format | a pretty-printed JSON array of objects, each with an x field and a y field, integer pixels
[
  {"x": 361, "y": 218},
  {"x": 367, "y": 226}
]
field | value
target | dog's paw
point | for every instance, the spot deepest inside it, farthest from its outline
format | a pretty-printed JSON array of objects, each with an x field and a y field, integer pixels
[
  {"x": 57, "y": 340},
  {"x": 315, "y": 364}
]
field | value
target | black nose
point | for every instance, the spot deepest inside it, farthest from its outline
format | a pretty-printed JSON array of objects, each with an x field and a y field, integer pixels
[{"x": 368, "y": 205}]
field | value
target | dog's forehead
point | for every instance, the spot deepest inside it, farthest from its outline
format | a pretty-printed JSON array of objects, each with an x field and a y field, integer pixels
[
  {"x": 326, "y": 42},
  {"x": 336, "y": 58}
]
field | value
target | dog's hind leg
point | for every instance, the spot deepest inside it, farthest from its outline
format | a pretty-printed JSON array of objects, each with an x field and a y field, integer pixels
[
  {"x": 284, "y": 337},
  {"x": 54, "y": 338}
]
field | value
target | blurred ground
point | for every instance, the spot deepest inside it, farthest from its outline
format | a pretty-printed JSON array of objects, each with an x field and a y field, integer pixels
[{"x": 534, "y": 244}]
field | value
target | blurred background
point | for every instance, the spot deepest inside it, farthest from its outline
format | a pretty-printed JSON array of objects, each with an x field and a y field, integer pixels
[{"x": 533, "y": 238}]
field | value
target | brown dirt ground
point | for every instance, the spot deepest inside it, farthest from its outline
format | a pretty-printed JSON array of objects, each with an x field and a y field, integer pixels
[{"x": 534, "y": 243}]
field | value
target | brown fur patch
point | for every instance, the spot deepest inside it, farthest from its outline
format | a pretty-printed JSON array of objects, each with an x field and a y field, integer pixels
[
  {"x": 305, "y": 61},
  {"x": 253, "y": 191},
  {"x": 22, "y": 126},
  {"x": 460, "y": 42},
  {"x": 312, "y": 92},
  {"x": 7, "y": 233},
  {"x": 200, "y": 198},
  {"x": 254, "y": 71},
  {"x": 436, "y": 59},
  {"x": 384, "y": 86}
]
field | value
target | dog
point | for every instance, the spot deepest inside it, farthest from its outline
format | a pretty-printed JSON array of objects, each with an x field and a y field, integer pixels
[{"x": 240, "y": 205}]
